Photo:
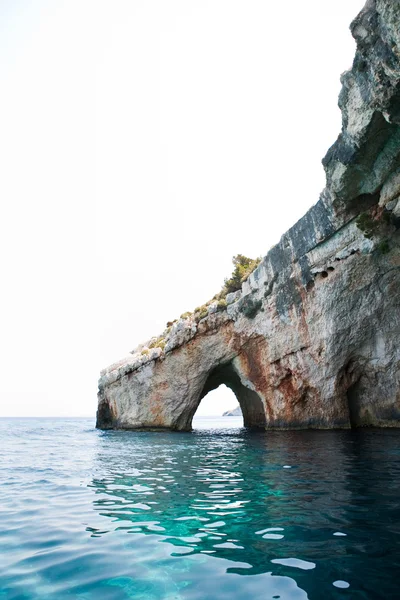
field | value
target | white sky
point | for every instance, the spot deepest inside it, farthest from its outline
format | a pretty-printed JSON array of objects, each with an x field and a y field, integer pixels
[{"x": 143, "y": 143}]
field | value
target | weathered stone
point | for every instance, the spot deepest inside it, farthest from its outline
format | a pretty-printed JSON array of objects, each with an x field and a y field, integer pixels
[
  {"x": 233, "y": 297},
  {"x": 392, "y": 204},
  {"x": 212, "y": 308},
  {"x": 312, "y": 339},
  {"x": 391, "y": 189},
  {"x": 366, "y": 152},
  {"x": 396, "y": 209},
  {"x": 181, "y": 332}
]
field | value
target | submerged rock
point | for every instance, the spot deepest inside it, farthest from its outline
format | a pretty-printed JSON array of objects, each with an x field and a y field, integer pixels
[{"x": 312, "y": 339}]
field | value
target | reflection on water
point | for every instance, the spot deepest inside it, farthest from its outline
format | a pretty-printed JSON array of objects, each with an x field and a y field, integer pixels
[
  {"x": 228, "y": 494},
  {"x": 213, "y": 514}
]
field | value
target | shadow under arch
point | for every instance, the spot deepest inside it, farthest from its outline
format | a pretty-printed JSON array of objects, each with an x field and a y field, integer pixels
[{"x": 250, "y": 402}]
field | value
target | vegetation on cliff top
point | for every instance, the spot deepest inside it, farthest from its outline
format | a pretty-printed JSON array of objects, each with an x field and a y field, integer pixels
[{"x": 243, "y": 268}]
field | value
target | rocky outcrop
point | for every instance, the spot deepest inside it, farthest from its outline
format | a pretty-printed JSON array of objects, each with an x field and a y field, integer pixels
[
  {"x": 235, "y": 412},
  {"x": 312, "y": 338}
]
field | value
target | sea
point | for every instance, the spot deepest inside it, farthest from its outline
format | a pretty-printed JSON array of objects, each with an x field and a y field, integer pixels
[{"x": 220, "y": 513}]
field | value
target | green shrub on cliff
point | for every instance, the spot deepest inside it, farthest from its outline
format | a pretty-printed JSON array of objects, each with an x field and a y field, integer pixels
[
  {"x": 376, "y": 224},
  {"x": 158, "y": 343},
  {"x": 367, "y": 224},
  {"x": 384, "y": 246},
  {"x": 222, "y": 304},
  {"x": 200, "y": 312},
  {"x": 243, "y": 267},
  {"x": 200, "y": 309},
  {"x": 250, "y": 307},
  {"x": 186, "y": 315}
]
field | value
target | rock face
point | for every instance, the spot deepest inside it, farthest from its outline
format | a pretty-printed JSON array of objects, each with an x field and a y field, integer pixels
[
  {"x": 236, "y": 412},
  {"x": 312, "y": 339}
]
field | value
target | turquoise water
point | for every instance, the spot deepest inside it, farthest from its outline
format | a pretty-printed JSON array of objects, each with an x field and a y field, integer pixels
[{"x": 219, "y": 513}]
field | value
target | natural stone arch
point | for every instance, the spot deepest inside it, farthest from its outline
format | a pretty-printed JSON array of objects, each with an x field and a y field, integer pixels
[
  {"x": 314, "y": 329},
  {"x": 250, "y": 402}
]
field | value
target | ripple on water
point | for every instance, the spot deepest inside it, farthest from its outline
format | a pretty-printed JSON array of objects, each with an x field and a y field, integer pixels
[
  {"x": 120, "y": 515},
  {"x": 298, "y": 563},
  {"x": 341, "y": 584}
]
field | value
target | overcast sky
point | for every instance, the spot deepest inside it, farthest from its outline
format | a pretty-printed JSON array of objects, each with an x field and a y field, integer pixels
[{"x": 143, "y": 143}]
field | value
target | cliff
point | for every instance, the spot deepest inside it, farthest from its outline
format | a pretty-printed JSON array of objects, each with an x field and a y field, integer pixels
[
  {"x": 235, "y": 412},
  {"x": 312, "y": 338}
]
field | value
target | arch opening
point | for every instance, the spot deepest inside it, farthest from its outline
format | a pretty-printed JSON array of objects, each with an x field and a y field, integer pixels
[
  {"x": 218, "y": 409},
  {"x": 249, "y": 401}
]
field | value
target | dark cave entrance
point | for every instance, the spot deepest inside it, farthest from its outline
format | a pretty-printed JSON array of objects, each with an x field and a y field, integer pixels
[
  {"x": 351, "y": 377},
  {"x": 354, "y": 405},
  {"x": 249, "y": 401}
]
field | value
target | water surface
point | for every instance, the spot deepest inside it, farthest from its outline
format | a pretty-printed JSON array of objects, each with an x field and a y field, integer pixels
[{"x": 219, "y": 513}]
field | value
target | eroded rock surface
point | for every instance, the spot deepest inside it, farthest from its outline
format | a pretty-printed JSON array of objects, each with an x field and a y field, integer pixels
[{"x": 312, "y": 339}]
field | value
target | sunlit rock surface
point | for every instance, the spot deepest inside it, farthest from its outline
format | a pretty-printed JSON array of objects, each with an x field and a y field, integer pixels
[{"x": 312, "y": 339}]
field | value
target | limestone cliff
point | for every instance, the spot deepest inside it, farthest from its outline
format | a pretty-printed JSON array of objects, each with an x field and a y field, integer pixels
[{"x": 312, "y": 339}]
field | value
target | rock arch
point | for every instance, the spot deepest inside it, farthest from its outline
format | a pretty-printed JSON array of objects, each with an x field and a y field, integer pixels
[
  {"x": 327, "y": 293},
  {"x": 250, "y": 402},
  {"x": 165, "y": 393}
]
